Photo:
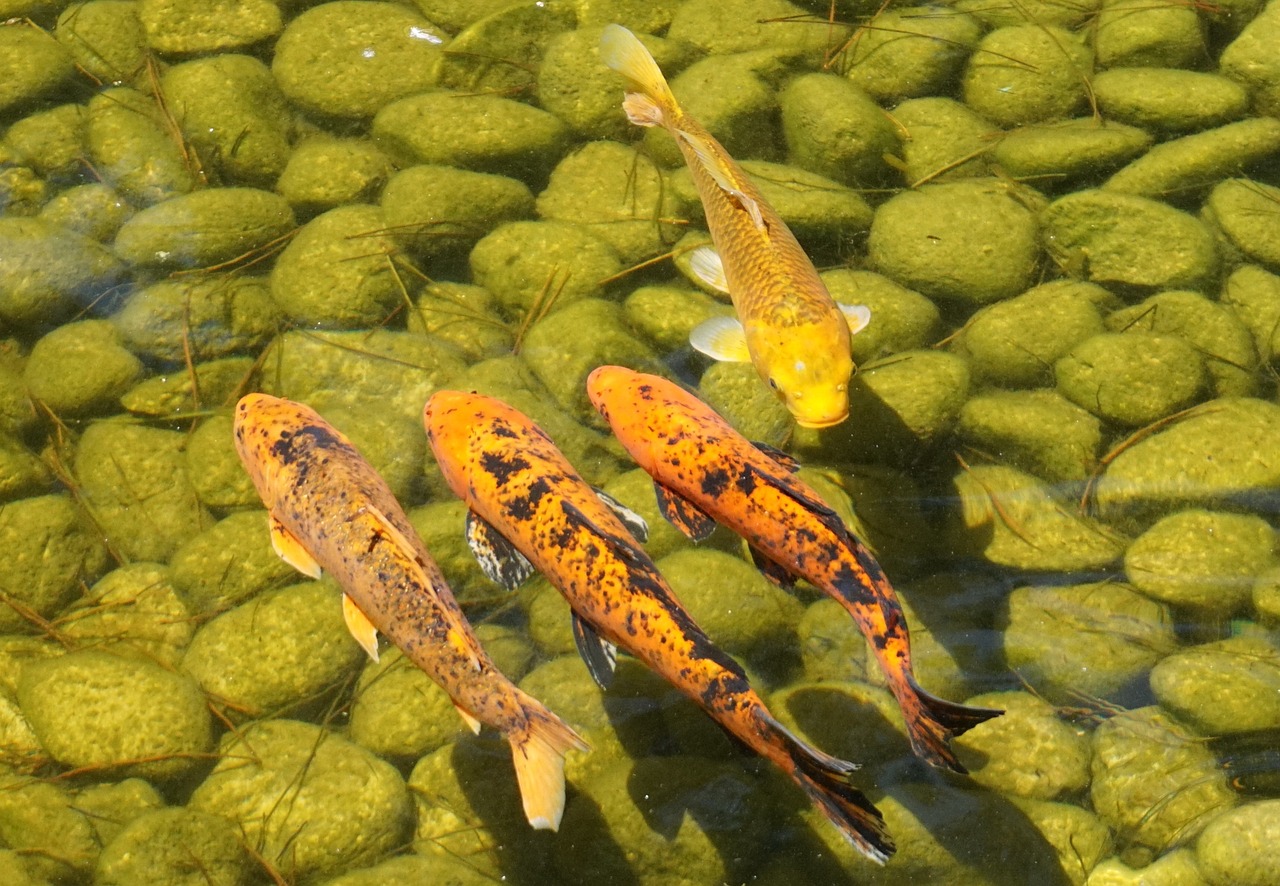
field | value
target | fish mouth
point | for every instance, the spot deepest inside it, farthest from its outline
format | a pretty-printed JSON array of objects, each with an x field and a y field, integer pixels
[{"x": 819, "y": 423}]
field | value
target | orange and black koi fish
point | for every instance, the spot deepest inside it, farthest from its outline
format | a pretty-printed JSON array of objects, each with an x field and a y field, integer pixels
[
  {"x": 530, "y": 510},
  {"x": 705, "y": 473},
  {"x": 330, "y": 510}
]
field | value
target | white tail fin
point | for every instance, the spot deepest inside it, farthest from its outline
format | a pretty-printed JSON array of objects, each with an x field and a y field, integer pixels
[
  {"x": 538, "y": 753},
  {"x": 622, "y": 51}
]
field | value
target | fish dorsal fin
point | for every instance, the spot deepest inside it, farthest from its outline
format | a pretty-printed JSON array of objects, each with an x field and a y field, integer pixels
[
  {"x": 360, "y": 627},
  {"x": 683, "y": 514},
  {"x": 776, "y": 573},
  {"x": 786, "y": 459},
  {"x": 472, "y": 723},
  {"x": 290, "y": 550},
  {"x": 499, "y": 559},
  {"x": 857, "y": 316},
  {"x": 623, "y": 546},
  {"x": 634, "y": 522},
  {"x": 600, "y": 655},
  {"x": 721, "y": 338},
  {"x": 702, "y": 148},
  {"x": 706, "y": 265}
]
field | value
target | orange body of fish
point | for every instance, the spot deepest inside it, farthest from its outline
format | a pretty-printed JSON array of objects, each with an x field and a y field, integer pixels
[
  {"x": 705, "y": 473},
  {"x": 330, "y": 510},
  {"x": 530, "y": 510}
]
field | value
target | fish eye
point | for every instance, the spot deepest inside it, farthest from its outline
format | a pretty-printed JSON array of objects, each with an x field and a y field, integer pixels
[{"x": 773, "y": 384}]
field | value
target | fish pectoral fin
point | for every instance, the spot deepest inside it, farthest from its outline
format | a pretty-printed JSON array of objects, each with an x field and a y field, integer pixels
[
  {"x": 360, "y": 627},
  {"x": 683, "y": 514},
  {"x": 786, "y": 459},
  {"x": 600, "y": 655},
  {"x": 706, "y": 154},
  {"x": 777, "y": 574},
  {"x": 634, "y": 522},
  {"x": 472, "y": 723},
  {"x": 721, "y": 338},
  {"x": 499, "y": 559},
  {"x": 291, "y": 551},
  {"x": 857, "y": 316},
  {"x": 641, "y": 110},
  {"x": 706, "y": 265}
]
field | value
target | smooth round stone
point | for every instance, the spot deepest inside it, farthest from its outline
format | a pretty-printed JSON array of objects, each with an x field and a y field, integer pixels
[
  {"x": 1168, "y": 99},
  {"x": 1095, "y": 639},
  {"x": 463, "y": 315},
  {"x": 32, "y": 66},
  {"x": 204, "y": 228},
  {"x": 111, "y": 806},
  {"x": 666, "y": 315},
  {"x": 1079, "y": 837},
  {"x": 126, "y": 126},
  {"x": 190, "y": 390},
  {"x": 1047, "y": 84},
  {"x": 50, "y": 550},
  {"x": 1132, "y": 33},
  {"x": 1056, "y": 153},
  {"x": 1132, "y": 378},
  {"x": 518, "y": 35},
  {"x": 736, "y": 391},
  {"x": 1234, "y": 207},
  {"x": 310, "y": 801},
  {"x": 1222, "y": 688},
  {"x": 17, "y": 413},
  {"x": 911, "y": 52},
  {"x": 1251, "y": 60},
  {"x": 1238, "y": 847},
  {"x": 1039, "y": 432},
  {"x": 835, "y": 129},
  {"x": 720, "y": 27},
  {"x": 1029, "y": 751},
  {"x": 45, "y": 830},
  {"x": 1049, "y": 12},
  {"x": 181, "y": 27},
  {"x": 105, "y": 38},
  {"x": 971, "y": 242},
  {"x": 399, "y": 712},
  {"x": 91, "y": 708},
  {"x": 1107, "y": 237},
  {"x": 81, "y": 369},
  {"x": 201, "y": 317},
  {"x": 831, "y": 648},
  {"x": 945, "y": 140},
  {"x": 435, "y": 211},
  {"x": 175, "y": 847},
  {"x": 323, "y": 172},
  {"x": 901, "y": 319},
  {"x": 1253, "y": 295},
  {"x": 94, "y": 210},
  {"x": 228, "y": 563},
  {"x": 1266, "y": 597},
  {"x": 1195, "y": 162},
  {"x": 16, "y": 651},
  {"x": 50, "y": 273},
  {"x": 22, "y": 472},
  {"x": 1155, "y": 781},
  {"x": 1171, "y": 561},
  {"x": 133, "y": 611},
  {"x": 50, "y": 142},
  {"x": 522, "y": 263},
  {"x": 439, "y": 867}
]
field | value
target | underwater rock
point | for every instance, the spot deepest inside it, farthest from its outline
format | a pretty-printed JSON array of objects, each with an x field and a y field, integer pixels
[
  {"x": 499, "y": 53},
  {"x": 1090, "y": 639},
  {"x": 43, "y": 826},
  {"x": 1061, "y": 151},
  {"x": 1234, "y": 207},
  {"x": 22, "y": 472},
  {"x": 1080, "y": 838},
  {"x": 131, "y": 611},
  {"x": 176, "y": 847},
  {"x": 510, "y": 647},
  {"x": 1154, "y": 782},
  {"x": 110, "y": 806},
  {"x": 831, "y": 646},
  {"x": 105, "y": 38},
  {"x": 435, "y": 211},
  {"x": 94, "y": 210},
  {"x": 94, "y": 709},
  {"x": 1049, "y": 83},
  {"x": 1174, "y": 562},
  {"x": 394, "y": 446},
  {"x": 971, "y": 242},
  {"x": 911, "y": 51},
  {"x": 720, "y": 27},
  {"x": 20, "y": 749},
  {"x": 1132, "y": 378},
  {"x": 1253, "y": 295},
  {"x": 1251, "y": 61},
  {"x": 1223, "y": 687},
  {"x": 833, "y": 128},
  {"x": 398, "y": 712},
  {"x": 229, "y": 562},
  {"x": 1238, "y": 847},
  {"x": 199, "y": 317},
  {"x": 1038, "y": 431},
  {"x": 16, "y": 651},
  {"x": 81, "y": 369},
  {"x": 190, "y": 391},
  {"x": 438, "y": 867},
  {"x": 463, "y": 315},
  {"x": 204, "y": 228},
  {"x": 1134, "y": 33},
  {"x": 312, "y": 803},
  {"x": 50, "y": 142},
  {"x": 1266, "y": 596},
  {"x": 533, "y": 266},
  {"x": 901, "y": 319},
  {"x": 182, "y": 27},
  {"x": 851, "y": 720},
  {"x": 215, "y": 470},
  {"x": 666, "y": 314},
  {"x": 736, "y": 391},
  {"x": 1168, "y": 100},
  {"x": 125, "y": 124},
  {"x": 32, "y": 66},
  {"x": 50, "y": 273},
  {"x": 943, "y": 140},
  {"x": 17, "y": 413},
  {"x": 1193, "y": 163},
  {"x": 1028, "y": 752},
  {"x": 323, "y": 172}
]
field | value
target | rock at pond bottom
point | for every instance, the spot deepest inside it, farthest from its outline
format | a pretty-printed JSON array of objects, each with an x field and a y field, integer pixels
[
  {"x": 175, "y": 847},
  {"x": 1029, "y": 751},
  {"x": 1239, "y": 847},
  {"x": 1224, "y": 687}
]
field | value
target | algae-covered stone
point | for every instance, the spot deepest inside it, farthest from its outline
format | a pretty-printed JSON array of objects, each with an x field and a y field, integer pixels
[
  {"x": 1080, "y": 838},
  {"x": 16, "y": 651},
  {"x": 20, "y": 749},
  {"x": 126, "y": 126},
  {"x": 736, "y": 391},
  {"x": 1192, "y": 163},
  {"x": 486, "y": 133},
  {"x": 399, "y": 712},
  {"x": 943, "y": 139},
  {"x": 438, "y": 210},
  {"x": 666, "y": 315},
  {"x": 49, "y": 549},
  {"x": 50, "y": 142},
  {"x": 1238, "y": 847},
  {"x": 337, "y": 271},
  {"x": 1109, "y": 237},
  {"x": 1155, "y": 781},
  {"x": 439, "y": 867},
  {"x": 132, "y": 611},
  {"x": 175, "y": 847},
  {"x": 205, "y": 227},
  {"x": 105, "y": 38},
  {"x": 40, "y": 821},
  {"x": 134, "y": 482},
  {"x": 1091, "y": 639},
  {"x": 17, "y": 412},
  {"x": 1251, "y": 61},
  {"x": 198, "y": 318},
  {"x": 499, "y": 53},
  {"x": 1253, "y": 295},
  {"x": 1039, "y": 432},
  {"x": 1049, "y": 81},
  {"x": 1171, "y": 562},
  {"x": 1223, "y": 687},
  {"x": 969, "y": 241},
  {"x": 1234, "y": 208},
  {"x": 525, "y": 264},
  {"x": 193, "y": 390},
  {"x": 1132, "y": 33},
  {"x": 901, "y": 319},
  {"x": 94, "y": 210},
  {"x": 562, "y": 349},
  {"x": 911, "y": 51},
  {"x": 49, "y": 273},
  {"x": 229, "y": 562},
  {"x": 1168, "y": 99},
  {"x": 835, "y": 129},
  {"x": 617, "y": 194},
  {"x": 324, "y": 172},
  {"x": 22, "y": 472},
  {"x": 111, "y": 806},
  {"x": 719, "y": 27},
  {"x": 233, "y": 115},
  {"x": 130, "y": 715},
  {"x": 32, "y": 65},
  {"x": 1222, "y": 453},
  {"x": 1132, "y": 378},
  {"x": 1266, "y": 596},
  {"x": 312, "y": 803},
  {"x": 1013, "y": 519},
  {"x": 1056, "y": 152},
  {"x": 830, "y": 648},
  {"x": 81, "y": 369},
  {"x": 1028, "y": 752},
  {"x": 179, "y": 27}
]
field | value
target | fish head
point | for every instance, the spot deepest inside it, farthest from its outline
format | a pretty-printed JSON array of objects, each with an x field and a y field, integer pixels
[
  {"x": 808, "y": 367},
  {"x": 274, "y": 437},
  {"x": 647, "y": 413}
]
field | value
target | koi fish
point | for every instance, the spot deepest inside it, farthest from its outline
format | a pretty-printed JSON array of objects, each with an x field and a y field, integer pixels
[
  {"x": 330, "y": 510},
  {"x": 529, "y": 510},
  {"x": 706, "y": 473},
  {"x": 787, "y": 324}
]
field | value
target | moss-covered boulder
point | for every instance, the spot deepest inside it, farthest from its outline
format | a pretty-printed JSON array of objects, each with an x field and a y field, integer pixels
[
  {"x": 204, "y": 228},
  {"x": 32, "y": 65},
  {"x": 437, "y": 211},
  {"x": 50, "y": 273},
  {"x": 181, "y": 28},
  {"x": 736, "y": 391},
  {"x": 132, "y": 611},
  {"x": 1193, "y": 163},
  {"x": 53, "y": 841},
  {"x": 1037, "y": 431},
  {"x": 1049, "y": 83},
  {"x": 399, "y": 712},
  {"x": 50, "y": 142},
  {"x": 835, "y": 129},
  {"x": 498, "y": 53},
  {"x": 666, "y": 314},
  {"x": 124, "y": 125},
  {"x": 1049, "y": 154},
  {"x": 910, "y": 51},
  {"x": 725, "y": 26},
  {"x": 324, "y": 172},
  {"x": 1222, "y": 687},
  {"x": 1168, "y": 99},
  {"x": 535, "y": 266},
  {"x": 1029, "y": 751},
  {"x": 1253, "y": 296},
  {"x": 1132, "y": 34},
  {"x": 1233, "y": 208},
  {"x": 95, "y": 210},
  {"x": 1236, "y": 847},
  {"x": 175, "y": 847},
  {"x": 1249, "y": 61},
  {"x": 81, "y": 369},
  {"x": 1132, "y": 379},
  {"x": 901, "y": 319},
  {"x": 200, "y": 317},
  {"x": 228, "y": 563},
  {"x": 944, "y": 140},
  {"x": 105, "y": 38}
]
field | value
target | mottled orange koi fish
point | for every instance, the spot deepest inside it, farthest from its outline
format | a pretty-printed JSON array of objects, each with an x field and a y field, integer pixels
[
  {"x": 530, "y": 510},
  {"x": 705, "y": 473},
  {"x": 330, "y": 510}
]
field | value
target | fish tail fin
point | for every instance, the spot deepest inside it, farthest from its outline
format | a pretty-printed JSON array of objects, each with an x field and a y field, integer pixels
[
  {"x": 537, "y": 749},
  {"x": 825, "y": 779},
  {"x": 648, "y": 98},
  {"x": 932, "y": 722}
]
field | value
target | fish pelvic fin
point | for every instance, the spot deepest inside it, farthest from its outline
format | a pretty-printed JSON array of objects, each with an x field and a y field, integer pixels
[
  {"x": 932, "y": 722},
  {"x": 360, "y": 627},
  {"x": 825, "y": 779},
  {"x": 537, "y": 750},
  {"x": 649, "y": 96}
]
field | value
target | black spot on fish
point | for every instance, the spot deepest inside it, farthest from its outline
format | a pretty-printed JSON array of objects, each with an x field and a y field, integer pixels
[
  {"x": 714, "y": 482},
  {"x": 500, "y": 429},
  {"x": 520, "y": 508},
  {"x": 746, "y": 481},
  {"x": 501, "y": 467}
]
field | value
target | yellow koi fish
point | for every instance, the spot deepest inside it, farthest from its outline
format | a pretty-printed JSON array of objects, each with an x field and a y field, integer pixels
[
  {"x": 788, "y": 325},
  {"x": 330, "y": 510},
  {"x": 530, "y": 510}
]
